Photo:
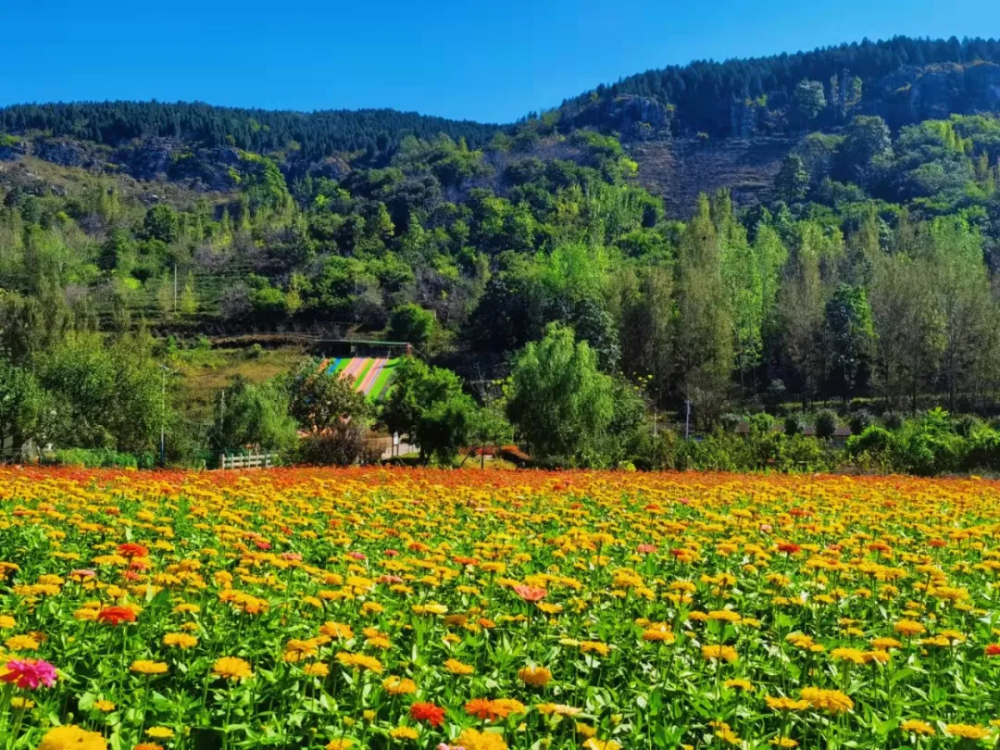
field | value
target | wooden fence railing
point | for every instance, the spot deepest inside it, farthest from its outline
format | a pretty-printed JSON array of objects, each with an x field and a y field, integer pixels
[{"x": 247, "y": 461}]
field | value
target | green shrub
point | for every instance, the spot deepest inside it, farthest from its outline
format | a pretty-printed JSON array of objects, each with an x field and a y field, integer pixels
[
  {"x": 794, "y": 425},
  {"x": 860, "y": 421},
  {"x": 99, "y": 458},
  {"x": 826, "y": 424}
]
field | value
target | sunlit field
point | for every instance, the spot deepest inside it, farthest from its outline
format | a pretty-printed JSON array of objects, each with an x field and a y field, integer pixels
[{"x": 431, "y": 609}]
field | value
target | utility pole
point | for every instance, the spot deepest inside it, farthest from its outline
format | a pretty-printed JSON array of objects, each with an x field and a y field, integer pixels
[
  {"x": 163, "y": 414},
  {"x": 175, "y": 289},
  {"x": 687, "y": 420}
]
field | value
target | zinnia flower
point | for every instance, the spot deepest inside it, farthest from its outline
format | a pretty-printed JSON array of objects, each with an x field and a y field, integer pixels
[
  {"x": 472, "y": 739},
  {"x": 116, "y": 615},
  {"x": 917, "y": 727},
  {"x": 534, "y": 676},
  {"x": 72, "y": 737},
  {"x": 231, "y": 668},
  {"x": 29, "y": 674},
  {"x": 144, "y": 666},
  {"x": 432, "y": 714}
]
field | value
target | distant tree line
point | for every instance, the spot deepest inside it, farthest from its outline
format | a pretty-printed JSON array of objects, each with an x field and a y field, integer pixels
[{"x": 313, "y": 135}]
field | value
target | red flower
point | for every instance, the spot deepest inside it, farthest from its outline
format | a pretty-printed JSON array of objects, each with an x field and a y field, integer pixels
[
  {"x": 992, "y": 650},
  {"x": 937, "y": 543},
  {"x": 789, "y": 548},
  {"x": 433, "y": 715},
  {"x": 130, "y": 549},
  {"x": 116, "y": 615},
  {"x": 531, "y": 593}
]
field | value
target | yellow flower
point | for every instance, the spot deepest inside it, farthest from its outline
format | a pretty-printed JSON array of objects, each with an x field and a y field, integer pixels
[
  {"x": 360, "y": 661},
  {"x": 144, "y": 666},
  {"x": 917, "y": 727},
  {"x": 21, "y": 643},
  {"x": 719, "y": 653},
  {"x": 785, "y": 704},
  {"x": 595, "y": 744},
  {"x": 909, "y": 628},
  {"x": 472, "y": 739},
  {"x": 231, "y": 668},
  {"x": 7, "y": 622},
  {"x": 180, "y": 640},
  {"x": 339, "y": 744},
  {"x": 967, "y": 731},
  {"x": 785, "y": 742},
  {"x": 21, "y": 703},
  {"x": 853, "y": 655},
  {"x": 404, "y": 733},
  {"x": 319, "y": 669},
  {"x": 743, "y": 685},
  {"x": 458, "y": 668},
  {"x": 104, "y": 706},
  {"x": 596, "y": 646},
  {"x": 399, "y": 685},
  {"x": 64, "y": 738},
  {"x": 833, "y": 701},
  {"x": 534, "y": 676},
  {"x": 160, "y": 733}
]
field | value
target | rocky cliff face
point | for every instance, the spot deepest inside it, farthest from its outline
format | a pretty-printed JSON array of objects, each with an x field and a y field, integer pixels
[{"x": 913, "y": 94}]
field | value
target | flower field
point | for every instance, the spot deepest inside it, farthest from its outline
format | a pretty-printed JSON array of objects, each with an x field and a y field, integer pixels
[{"x": 366, "y": 608}]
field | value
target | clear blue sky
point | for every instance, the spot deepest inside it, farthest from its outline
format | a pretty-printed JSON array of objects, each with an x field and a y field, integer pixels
[{"x": 475, "y": 59}]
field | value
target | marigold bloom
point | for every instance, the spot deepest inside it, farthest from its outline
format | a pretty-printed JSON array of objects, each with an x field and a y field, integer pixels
[
  {"x": 472, "y": 739},
  {"x": 399, "y": 685},
  {"x": 22, "y": 643},
  {"x": 743, "y": 685},
  {"x": 404, "y": 733},
  {"x": 342, "y": 744},
  {"x": 180, "y": 640},
  {"x": 785, "y": 704},
  {"x": 967, "y": 731},
  {"x": 319, "y": 669},
  {"x": 719, "y": 653},
  {"x": 160, "y": 733},
  {"x": 64, "y": 738},
  {"x": 458, "y": 668},
  {"x": 432, "y": 714},
  {"x": 784, "y": 742},
  {"x": 909, "y": 628},
  {"x": 917, "y": 727},
  {"x": 231, "y": 668},
  {"x": 360, "y": 661},
  {"x": 104, "y": 706},
  {"x": 534, "y": 676},
  {"x": 833, "y": 701},
  {"x": 144, "y": 666}
]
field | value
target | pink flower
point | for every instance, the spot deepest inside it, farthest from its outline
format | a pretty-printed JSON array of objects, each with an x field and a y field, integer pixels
[
  {"x": 262, "y": 544},
  {"x": 766, "y": 528},
  {"x": 83, "y": 573},
  {"x": 29, "y": 674},
  {"x": 356, "y": 555},
  {"x": 647, "y": 549},
  {"x": 685, "y": 501},
  {"x": 291, "y": 556},
  {"x": 391, "y": 552},
  {"x": 389, "y": 579},
  {"x": 530, "y": 593}
]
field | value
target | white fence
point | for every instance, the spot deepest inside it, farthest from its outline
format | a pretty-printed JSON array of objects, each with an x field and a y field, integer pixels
[{"x": 247, "y": 461}]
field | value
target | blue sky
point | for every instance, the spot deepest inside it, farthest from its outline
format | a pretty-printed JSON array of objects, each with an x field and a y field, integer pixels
[{"x": 491, "y": 61}]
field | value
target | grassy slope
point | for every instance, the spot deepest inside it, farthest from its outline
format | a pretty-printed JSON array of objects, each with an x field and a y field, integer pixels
[{"x": 203, "y": 373}]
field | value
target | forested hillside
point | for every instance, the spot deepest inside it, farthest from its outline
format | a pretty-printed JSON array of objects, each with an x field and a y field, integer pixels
[{"x": 863, "y": 267}]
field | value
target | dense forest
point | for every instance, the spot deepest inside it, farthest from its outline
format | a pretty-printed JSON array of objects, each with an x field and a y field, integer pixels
[
  {"x": 902, "y": 79},
  {"x": 869, "y": 280},
  {"x": 312, "y": 136}
]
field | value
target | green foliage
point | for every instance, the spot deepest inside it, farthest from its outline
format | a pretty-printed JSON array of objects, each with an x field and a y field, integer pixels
[
  {"x": 321, "y": 401},
  {"x": 428, "y": 404},
  {"x": 413, "y": 324},
  {"x": 254, "y": 415},
  {"x": 826, "y": 424},
  {"x": 561, "y": 404}
]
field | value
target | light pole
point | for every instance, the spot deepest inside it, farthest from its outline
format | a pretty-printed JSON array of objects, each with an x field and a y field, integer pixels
[{"x": 687, "y": 420}]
